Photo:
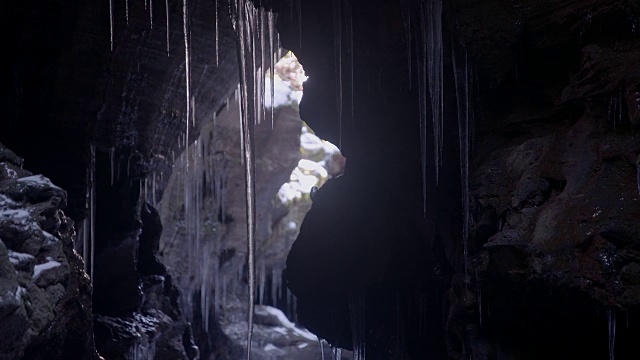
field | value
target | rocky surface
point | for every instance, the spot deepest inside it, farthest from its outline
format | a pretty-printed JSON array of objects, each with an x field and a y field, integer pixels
[
  {"x": 204, "y": 245},
  {"x": 45, "y": 301}
]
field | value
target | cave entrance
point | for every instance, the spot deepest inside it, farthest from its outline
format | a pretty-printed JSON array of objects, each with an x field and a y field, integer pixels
[
  {"x": 203, "y": 243},
  {"x": 318, "y": 162}
]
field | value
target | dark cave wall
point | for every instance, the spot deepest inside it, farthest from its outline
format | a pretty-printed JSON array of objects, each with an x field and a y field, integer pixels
[
  {"x": 66, "y": 88},
  {"x": 553, "y": 183}
]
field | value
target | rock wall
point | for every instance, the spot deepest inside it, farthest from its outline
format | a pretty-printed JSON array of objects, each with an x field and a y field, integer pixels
[{"x": 45, "y": 306}]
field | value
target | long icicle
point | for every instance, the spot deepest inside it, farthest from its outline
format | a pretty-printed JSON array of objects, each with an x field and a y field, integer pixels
[
  {"x": 111, "y": 23},
  {"x": 166, "y": 8},
  {"x": 611, "y": 319},
  {"x": 185, "y": 28},
  {"x": 349, "y": 21},
  {"x": 462, "y": 98},
  {"x": 337, "y": 48},
  {"x": 247, "y": 76},
  {"x": 435, "y": 68},
  {"x": 92, "y": 211},
  {"x": 217, "y": 35},
  {"x": 422, "y": 99},
  {"x": 151, "y": 14},
  {"x": 406, "y": 20},
  {"x": 271, "y": 21}
]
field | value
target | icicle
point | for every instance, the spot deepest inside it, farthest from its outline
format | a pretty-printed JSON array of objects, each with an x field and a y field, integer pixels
[
  {"x": 111, "y": 22},
  {"x": 271, "y": 26},
  {"x": 422, "y": 100},
  {"x": 435, "y": 68},
  {"x": 321, "y": 348},
  {"x": 166, "y": 9},
  {"x": 112, "y": 154},
  {"x": 153, "y": 189},
  {"x": 358, "y": 326},
  {"x": 349, "y": 25},
  {"x": 245, "y": 23},
  {"x": 92, "y": 210},
  {"x": 276, "y": 277},
  {"x": 463, "y": 100},
  {"x": 611, "y": 319},
  {"x": 262, "y": 274},
  {"x": 337, "y": 353},
  {"x": 406, "y": 20},
  {"x": 638, "y": 173},
  {"x": 185, "y": 27},
  {"x": 299, "y": 9},
  {"x": 479, "y": 292},
  {"x": 217, "y": 36},
  {"x": 337, "y": 48},
  {"x": 151, "y": 14}
]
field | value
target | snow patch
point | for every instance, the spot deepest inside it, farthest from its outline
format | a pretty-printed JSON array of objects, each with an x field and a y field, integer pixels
[
  {"x": 6, "y": 201},
  {"x": 19, "y": 292},
  {"x": 16, "y": 257},
  {"x": 283, "y": 93},
  {"x": 39, "y": 269},
  {"x": 50, "y": 237},
  {"x": 282, "y": 318},
  {"x": 38, "y": 180},
  {"x": 18, "y": 216},
  {"x": 270, "y": 347}
]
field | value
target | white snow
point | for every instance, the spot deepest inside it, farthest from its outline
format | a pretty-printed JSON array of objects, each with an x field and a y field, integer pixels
[
  {"x": 282, "y": 318},
  {"x": 283, "y": 93},
  {"x": 19, "y": 292},
  {"x": 310, "y": 142},
  {"x": 50, "y": 264},
  {"x": 39, "y": 180},
  {"x": 305, "y": 176},
  {"x": 302, "y": 345},
  {"x": 18, "y": 216},
  {"x": 312, "y": 167},
  {"x": 5, "y": 201},
  {"x": 16, "y": 257},
  {"x": 281, "y": 330},
  {"x": 50, "y": 237},
  {"x": 270, "y": 347}
]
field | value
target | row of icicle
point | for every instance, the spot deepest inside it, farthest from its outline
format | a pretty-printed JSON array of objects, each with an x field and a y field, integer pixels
[{"x": 256, "y": 26}]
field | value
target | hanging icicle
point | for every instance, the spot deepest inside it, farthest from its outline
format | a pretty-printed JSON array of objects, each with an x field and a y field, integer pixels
[
  {"x": 611, "y": 320},
  {"x": 349, "y": 31},
  {"x": 217, "y": 35},
  {"x": 271, "y": 26},
  {"x": 337, "y": 48},
  {"x": 462, "y": 84},
  {"x": 92, "y": 211},
  {"x": 111, "y": 23},
  {"x": 166, "y": 9},
  {"x": 421, "y": 55},
  {"x": 406, "y": 21},
  {"x": 151, "y": 14},
  {"x": 249, "y": 25},
  {"x": 434, "y": 56},
  {"x": 358, "y": 325},
  {"x": 187, "y": 60}
]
